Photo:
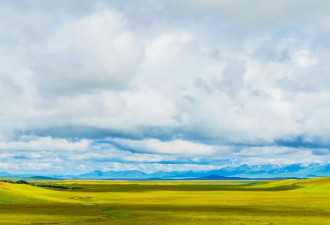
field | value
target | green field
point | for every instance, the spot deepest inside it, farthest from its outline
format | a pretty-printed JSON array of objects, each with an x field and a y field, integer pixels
[{"x": 280, "y": 202}]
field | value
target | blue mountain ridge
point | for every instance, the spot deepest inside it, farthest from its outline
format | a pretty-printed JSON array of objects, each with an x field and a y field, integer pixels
[
  {"x": 4, "y": 174},
  {"x": 242, "y": 171},
  {"x": 245, "y": 171}
]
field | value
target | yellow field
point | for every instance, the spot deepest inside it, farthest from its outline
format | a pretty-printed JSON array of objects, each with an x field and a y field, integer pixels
[{"x": 281, "y": 202}]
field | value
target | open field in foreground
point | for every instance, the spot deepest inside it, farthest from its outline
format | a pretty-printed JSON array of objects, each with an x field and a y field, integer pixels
[{"x": 167, "y": 202}]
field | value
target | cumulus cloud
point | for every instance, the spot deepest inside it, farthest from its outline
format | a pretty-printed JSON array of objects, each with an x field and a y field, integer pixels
[
  {"x": 170, "y": 147},
  {"x": 175, "y": 82},
  {"x": 92, "y": 52},
  {"x": 45, "y": 143}
]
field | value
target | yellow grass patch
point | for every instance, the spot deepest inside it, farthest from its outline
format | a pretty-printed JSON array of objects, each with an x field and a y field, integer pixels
[{"x": 303, "y": 202}]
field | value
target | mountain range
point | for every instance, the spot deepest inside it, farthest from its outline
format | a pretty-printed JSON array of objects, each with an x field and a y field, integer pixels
[{"x": 244, "y": 171}]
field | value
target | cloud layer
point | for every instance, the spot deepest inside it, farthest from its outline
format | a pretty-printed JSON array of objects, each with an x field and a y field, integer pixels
[{"x": 105, "y": 84}]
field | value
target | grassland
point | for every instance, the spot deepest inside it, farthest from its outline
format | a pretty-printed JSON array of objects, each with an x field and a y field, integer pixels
[{"x": 167, "y": 202}]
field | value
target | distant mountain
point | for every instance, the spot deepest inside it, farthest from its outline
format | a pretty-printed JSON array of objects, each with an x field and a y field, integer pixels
[
  {"x": 4, "y": 174},
  {"x": 216, "y": 177},
  {"x": 243, "y": 171},
  {"x": 43, "y": 178},
  {"x": 268, "y": 171},
  {"x": 129, "y": 174}
]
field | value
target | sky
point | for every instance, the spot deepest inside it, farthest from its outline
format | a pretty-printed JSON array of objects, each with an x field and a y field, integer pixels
[{"x": 162, "y": 85}]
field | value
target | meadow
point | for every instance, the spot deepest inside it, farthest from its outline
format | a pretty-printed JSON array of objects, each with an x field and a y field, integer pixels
[{"x": 82, "y": 202}]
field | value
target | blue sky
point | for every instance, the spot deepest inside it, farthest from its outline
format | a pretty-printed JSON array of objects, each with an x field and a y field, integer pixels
[{"x": 162, "y": 85}]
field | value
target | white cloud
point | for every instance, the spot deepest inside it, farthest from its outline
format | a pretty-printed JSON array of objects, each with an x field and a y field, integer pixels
[
  {"x": 44, "y": 144},
  {"x": 255, "y": 14},
  {"x": 92, "y": 52},
  {"x": 167, "y": 147},
  {"x": 156, "y": 167},
  {"x": 304, "y": 59},
  {"x": 199, "y": 72}
]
